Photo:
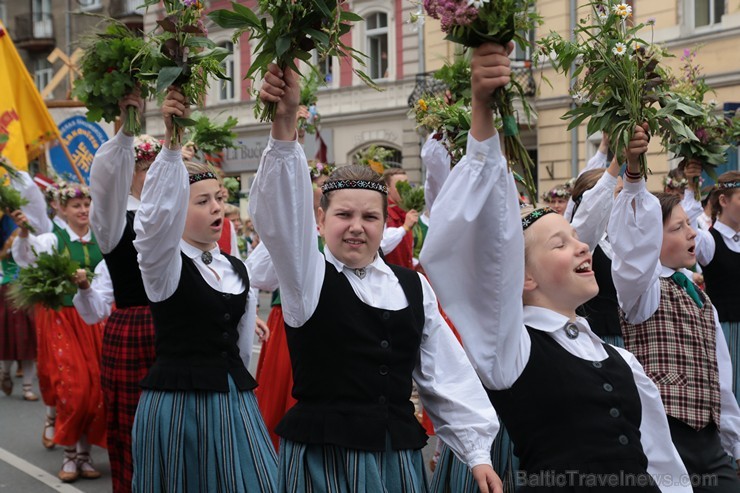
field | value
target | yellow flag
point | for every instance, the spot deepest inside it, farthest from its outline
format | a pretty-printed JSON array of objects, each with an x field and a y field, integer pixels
[{"x": 23, "y": 114}]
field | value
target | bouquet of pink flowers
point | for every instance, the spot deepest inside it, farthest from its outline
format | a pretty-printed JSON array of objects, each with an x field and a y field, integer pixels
[{"x": 474, "y": 22}]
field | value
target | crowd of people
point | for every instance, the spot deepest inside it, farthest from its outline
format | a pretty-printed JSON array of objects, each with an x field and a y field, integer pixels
[{"x": 590, "y": 344}]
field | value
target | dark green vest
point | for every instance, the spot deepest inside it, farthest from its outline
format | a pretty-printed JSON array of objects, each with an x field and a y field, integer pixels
[{"x": 88, "y": 255}]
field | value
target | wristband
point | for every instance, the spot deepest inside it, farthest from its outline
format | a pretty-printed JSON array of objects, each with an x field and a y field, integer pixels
[{"x": 632, "y": 176}]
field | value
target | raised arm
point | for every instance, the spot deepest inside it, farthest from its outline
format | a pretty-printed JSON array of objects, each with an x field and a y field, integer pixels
[
  {"x": 94, "y": 300},
  {"x": 636, "y": 235},
  {"x": 592, "y": 215},
  {"x": 27, "y": 246},
  {"x": 474, "y": 251},
  {"x": 160, "y": 221},
  {"x": 436, "y": 161},
  {"x": 35, "y": 209},
  {"x": 281, "y": 204},
  {"x": 110, "y": 182}
]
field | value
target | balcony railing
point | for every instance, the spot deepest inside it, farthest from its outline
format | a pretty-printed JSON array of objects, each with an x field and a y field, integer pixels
[
  {"x": 427, "y": 85},
  {"x": 34, "y": 30},
  {"x": 127, "y": 9}
]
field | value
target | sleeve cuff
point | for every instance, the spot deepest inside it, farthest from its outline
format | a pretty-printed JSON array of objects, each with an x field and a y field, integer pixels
[
  {"x": 478, "y": 457},
  {"x": 123, "y": 140},
  {"x": 479, "y": 152},
  {"x": 634, "y": 187},
  {"x": 169, "y": 155}
]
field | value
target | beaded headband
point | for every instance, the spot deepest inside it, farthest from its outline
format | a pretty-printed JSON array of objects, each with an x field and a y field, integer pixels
[
  {"x": 729, "y": 184},
  {"x": 360, "y": 184},
  {"x": 208, "y": 175},
  {"x": 533, "y": 216}
]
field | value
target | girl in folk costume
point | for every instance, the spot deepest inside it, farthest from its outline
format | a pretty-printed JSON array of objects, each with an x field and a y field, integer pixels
[
  {"x": 17, "y": 330},
  {"x": 116, "y": 179},
  {"x": 72, "y": 346},
  {"x": 358, "y": 330},
  {"x": 398, "y": 246},
  {"x": 718, "y": 253},
  {"x": 197, "y": 426},
  {"x": 576, "y": 409},
  {"x": 672, "y": 328},
  {"x": 275, "y": 397}
]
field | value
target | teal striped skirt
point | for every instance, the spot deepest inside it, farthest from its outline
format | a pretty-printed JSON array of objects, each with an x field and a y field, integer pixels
[
  {"x": 453, "y": 476},
  {"x": 332, "y": 469},
  {"x": 732, "y": 336},
  {"x": 206, "y": 442}
]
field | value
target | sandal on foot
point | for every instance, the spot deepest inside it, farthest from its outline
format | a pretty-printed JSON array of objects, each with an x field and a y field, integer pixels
[
  {"x": 85, "y": 466},
  {"x": 69, "y": 471},
  {"x": 47, "y": 440},
  {"x": 28, "y": 393}
]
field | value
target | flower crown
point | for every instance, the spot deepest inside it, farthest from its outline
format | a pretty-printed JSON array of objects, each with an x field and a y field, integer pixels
[
  {"x": 318, "y": 168},
  {"x": 146, "y": 147},
  {"x": 559, "y": 192},
  {"x": 360, "y": 184},
  {"x": 68, "y": 191},
  {"x": 671, "y": 182}
]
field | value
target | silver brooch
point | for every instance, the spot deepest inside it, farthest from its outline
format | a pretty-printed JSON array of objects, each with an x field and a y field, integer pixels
[
  {"x": 736, "y": 238},
  {"x": 206, "y": 257},
  {"x": 361, "y": 273},
  {"x": 571, "y": 330}
]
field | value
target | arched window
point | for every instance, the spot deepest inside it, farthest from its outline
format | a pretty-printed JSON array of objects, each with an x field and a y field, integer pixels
[
  {"x": 376, "y": 35},
  {"x": 226, "y": 88}
]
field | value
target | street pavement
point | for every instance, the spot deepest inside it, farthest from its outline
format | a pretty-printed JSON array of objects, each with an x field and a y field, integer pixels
[{"x": 27, "y": 467}]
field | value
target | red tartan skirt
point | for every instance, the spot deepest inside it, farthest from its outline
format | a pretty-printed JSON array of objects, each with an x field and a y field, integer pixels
[
  {"x": 275, "y": 375},
  {"x": 17, "y": 332},
  {"x": 128, "y": 353},
  {"x": 69, "y": 374}
]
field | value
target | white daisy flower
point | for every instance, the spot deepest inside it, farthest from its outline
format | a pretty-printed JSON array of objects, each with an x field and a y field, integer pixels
[
  {"x": 619, "y": 49},
  {"x": 477, "y": 3}
]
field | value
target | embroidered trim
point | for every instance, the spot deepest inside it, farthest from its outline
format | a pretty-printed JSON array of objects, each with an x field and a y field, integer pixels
[
  {"x": 208, "y": 175},
  {"x": 533, "y": 216},
  {"x": 358, "y": 184}
]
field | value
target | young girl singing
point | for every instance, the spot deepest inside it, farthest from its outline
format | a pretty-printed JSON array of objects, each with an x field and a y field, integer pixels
[
  {"x": 197, "y": 426},
  {"x": 672, "y": 328},
  {"x": 577, "y": 409},
  {"x": 358, "y": 330}
]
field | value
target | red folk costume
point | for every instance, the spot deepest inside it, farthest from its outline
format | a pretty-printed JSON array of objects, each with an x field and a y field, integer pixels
[{"x": 403, "y": 254}]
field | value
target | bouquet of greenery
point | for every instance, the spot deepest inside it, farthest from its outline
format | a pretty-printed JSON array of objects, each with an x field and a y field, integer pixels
[
  {"x": 374, "y": 156},
  {"x": 182, "y": 55},
  {"x": 10, "y": 198},
  {"x": 110, "y": 67},
  {"x": 474, "y": 22},
  {"x": 233, "y": 187},
  {"x": 711, "y": 131},
  {"x": 309, "y": 98},
  {"x": 456, "y": 76},
  {"x": 210, "y": 138},
  {"x": 5, "y": 164},
  {"x": 46, "y": 282},
  {"x": 297, "y": 28},
  {"x": 412, "y": 198},
  {"x": 619, "y": 79},
  {"x": 450, "y": 123}
]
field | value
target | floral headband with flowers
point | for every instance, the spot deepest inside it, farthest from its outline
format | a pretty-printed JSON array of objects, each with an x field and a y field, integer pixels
[
  {"x": 72, "y": 191},
  {"x": 318, "y": 169},
  {"x": 559, "y": 192},
  {"x": 146, "y": 148},
  {"x": 670, "y": 182}
]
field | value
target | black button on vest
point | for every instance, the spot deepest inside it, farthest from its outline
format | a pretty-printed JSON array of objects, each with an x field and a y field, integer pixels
[
  {"x": 561, "y": 415},
  {"x": 195, "y": 344},
  {"x": 352, "y": 390},
  {"x": 128, "y": 287},
  {"x": 720, "y": 276}
]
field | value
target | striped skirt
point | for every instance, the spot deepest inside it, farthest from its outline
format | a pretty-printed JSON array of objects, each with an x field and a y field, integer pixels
[
  {"x": 732, "y": 336},
  {"x": 206, "y": 442},
  {"x": 617, "y": 341},
  {"x": 454, "y": 476},
  {"x": 331, "y": 469}
]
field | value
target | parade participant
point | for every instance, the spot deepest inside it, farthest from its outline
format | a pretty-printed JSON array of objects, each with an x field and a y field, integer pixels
[
  {"x": 71, "y": 346},
  {"x": 672, "y": 328},
  {"x": 598, "y": 161},
  {"x": 675, "y": 182},
  {"x": 576, "y": 409},
  {"x": 557, "y": 198},
  {"x": 197, "y": 425},
  {"x": 358, "y": 329},
  {"x": 398, "y": 248},
  {"x": 116, "y": 179},
  {"x": 718, "y": 253}
]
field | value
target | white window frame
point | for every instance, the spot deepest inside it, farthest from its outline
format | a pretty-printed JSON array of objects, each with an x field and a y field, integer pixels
[
  {"x": 335, "y": 71},
  {"x": 226, "y": 85},
  {"x": 214, "y": 90},
  {"x": 90, "y": 6},
  {"x": 42, "y": 76},
  {"x": 359, "y": 35},
  {"x": 689, "y": 7}
]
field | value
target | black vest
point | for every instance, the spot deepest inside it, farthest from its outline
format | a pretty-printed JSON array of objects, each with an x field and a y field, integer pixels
[
  {"x": 602, "y": 311},
  {"x": 352, "y": 366},
  {"x": 128, "y": 288},
  {"x": 196, "y": 335},
  {"x": 721, "y": 277},
  {"x": 565, "y": 413}
]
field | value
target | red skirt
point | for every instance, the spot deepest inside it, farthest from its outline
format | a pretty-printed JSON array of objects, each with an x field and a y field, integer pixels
[
  {"x": 275, "y": 375},
  {"x": 17, "y": 332},
  {"x": 128, "y": 353},
  {"x": 69, "y": 359}
]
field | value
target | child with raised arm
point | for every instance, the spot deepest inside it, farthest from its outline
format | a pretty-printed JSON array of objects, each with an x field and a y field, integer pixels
[
  {"x": 577, "y": 410},
  {"x": 197, "y": 426},
  {"x": 358, "y": 330},
  {"x": 673, "y": 329}
]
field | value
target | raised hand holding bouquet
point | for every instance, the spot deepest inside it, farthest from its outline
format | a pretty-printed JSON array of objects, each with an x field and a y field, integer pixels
[
  {"x": 297, "y": 28},
  {"x": 474, "y": 22},
  {"x": 210, "y": 139},
  {"x": 183, "y": 56},
  {"x": 110, "y": 67}
]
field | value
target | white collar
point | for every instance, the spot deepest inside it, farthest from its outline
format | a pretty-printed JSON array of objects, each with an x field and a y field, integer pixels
[
  {"x": 724, "y": 229},
  {"x": 546, "y": 320},
  {"x": 377, "y": 264},
  {"x": 194, "y": 252},
  {"x": 59, "y": 222},
  {"x": 132, "y": 204},
  {"x": 86, "y": 238}
]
